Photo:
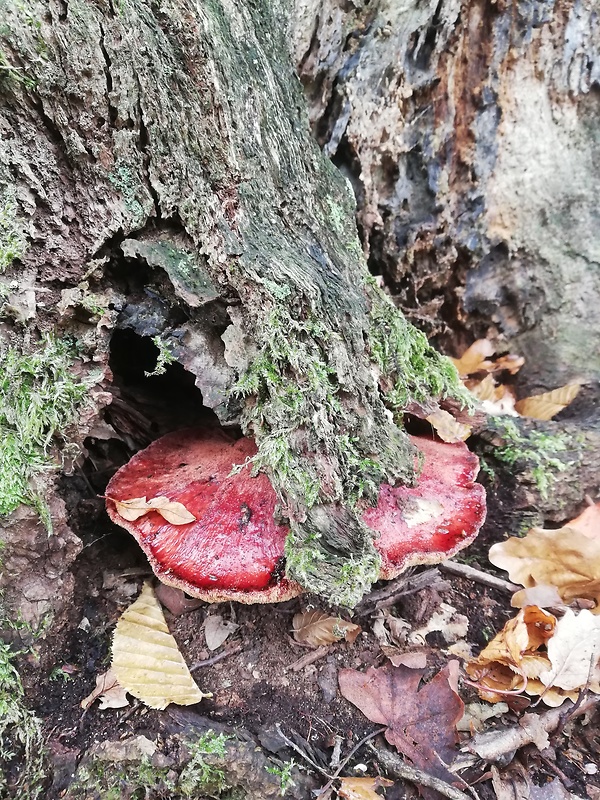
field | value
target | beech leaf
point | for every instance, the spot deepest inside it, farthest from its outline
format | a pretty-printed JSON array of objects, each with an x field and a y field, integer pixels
[
  {"x": 317, "y": 628},
  {"x": 564, "y": 558},
  {"x": 547, "y": 405},
  {"x": 173, "y": 512},
  {"x": 421, "y": 722},
  {"x": 146, "y": 659},
  {"x": 475, "y": 358},
  {"x": 362, "y": 788},
  {"x": 448, "y": 428},
  {"x": 217, "y": 630}
]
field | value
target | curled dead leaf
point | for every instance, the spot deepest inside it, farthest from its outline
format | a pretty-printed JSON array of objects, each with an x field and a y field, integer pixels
[
  {"x": 475, "y": 358},
  {"x": 108, "y": 690},
  {"x": 448, "y": 428},
  {"x": 564, "y": 558},
  {"x": 317, "y": 628},
  {"x": 146, "y": 659},
  {"x": 547, "y": 405},
  {"x": 175, "y": 513}
]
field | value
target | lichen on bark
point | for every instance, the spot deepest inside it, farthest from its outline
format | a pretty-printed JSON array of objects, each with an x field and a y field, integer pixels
[{"x": 177, "y": 120}]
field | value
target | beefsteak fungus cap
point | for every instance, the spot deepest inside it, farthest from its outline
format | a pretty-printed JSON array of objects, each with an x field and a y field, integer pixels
[{"x": 234, "y": 548}]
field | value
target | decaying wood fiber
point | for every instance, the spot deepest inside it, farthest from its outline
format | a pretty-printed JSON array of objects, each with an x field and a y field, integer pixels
[{"x": 469, "y": 130}]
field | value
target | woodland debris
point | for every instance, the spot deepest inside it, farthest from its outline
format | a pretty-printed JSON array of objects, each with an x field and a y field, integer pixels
[
  {"x": 217, "y": 630},
  {"x": 108, "y": 690},
  {"x": 318, "y": 628}
]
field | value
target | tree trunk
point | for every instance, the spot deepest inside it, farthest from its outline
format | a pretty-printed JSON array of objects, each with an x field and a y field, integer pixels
[
  {"x": 469, "y": 131},
  {"x": 160, "y": 183}
]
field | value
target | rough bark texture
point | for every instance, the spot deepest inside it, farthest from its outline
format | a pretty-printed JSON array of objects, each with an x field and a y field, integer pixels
[
  {"x": 158, "y": 176},
  {"x": 469, "y": 130}
]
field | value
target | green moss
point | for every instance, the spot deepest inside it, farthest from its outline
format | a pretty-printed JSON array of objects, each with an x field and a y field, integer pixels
[
  {"x": 22, "y": 751},
  {"x": 200, "y": 776},
  {"x": 163, "y": 358},
  {"x": 284, "y": 773},
  {"x": 13, "y": 242},
  {"x": 123, "y": 179},
  {"x": 536, "y": 449},
  {"x": 411, "y": 368},
  {"x": 39, "y": 397}
]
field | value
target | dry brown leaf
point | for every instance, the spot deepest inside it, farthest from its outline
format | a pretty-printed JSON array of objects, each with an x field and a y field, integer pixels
[
  {"x": 511, "y": 362},
  {"x": 421, "y": 722},
  {"x": 447, "y": 428},
  {"x": 362, "y": 788},
  {"x": 564, "y": 558},
  {"x": 588, "y": 522},
  {"x": 108, "y": 691},
  {"x": 512, "y": 657},
  {"x": 475, "y": 358},
  {"x": 317, "y": 628},
  {"x": 495, "y": 399},
  {"x": 217, "y": 630},
  {"x": 146, "y": 659},
  {"x": 574, "y": 650},
  {"x": 547, "y": 405},
  {"x": 175, "y": 513},
  {"x": 416, "y": 659}
]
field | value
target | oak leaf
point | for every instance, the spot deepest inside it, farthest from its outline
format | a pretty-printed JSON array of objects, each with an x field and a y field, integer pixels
[
  {"x": 573, "y": 650},
  {"x": 564, "y": 558},
  {"x": 547, "y": 405},
  {"x": 421, "y": 722},
  {"x": 588, "y": 522},
  {"x": 362, "y": 788},
  {"x": 146, "y": 660},
  {"x": 173, "y": 512},
  {"x": 317, "y": 628}
]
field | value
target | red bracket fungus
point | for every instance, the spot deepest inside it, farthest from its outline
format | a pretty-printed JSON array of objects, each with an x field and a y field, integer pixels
[{"x": 234, "y": 550}]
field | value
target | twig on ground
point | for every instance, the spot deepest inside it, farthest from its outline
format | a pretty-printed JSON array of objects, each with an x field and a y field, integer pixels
[
  {"x": 404, "y": 585},
  {"x": 310, "y": 658},
  {"x": 400, "y": 769},
  {"x": 343, "y": 763},
  {"x": 492, "y": 745},
  {"x": 301, "y": 752},
  {"x": 479, "y": 576},
  {"x": 207, "y": 662}
]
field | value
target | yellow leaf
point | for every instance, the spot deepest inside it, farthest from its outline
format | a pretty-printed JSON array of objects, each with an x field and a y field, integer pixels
[
  {"x": 146, "y": 659},
  {"x": 362, "y": 788},
  {"x": 447, "y": 428},
  {"x": 474, "y": 358},
  {"x": 175, "y": 513},
  {"x": 564, "y": 558},
  {"x": 317, "y": 628},
  {"x": 131, "y": 509},
  {"x": 547, "y": 405}
]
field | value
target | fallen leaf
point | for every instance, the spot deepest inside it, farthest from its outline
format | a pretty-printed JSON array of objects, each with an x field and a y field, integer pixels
[
  {"x": 217, "y": 630},
  {"x": 146, "y": 659},
  {"x": 362, "y": 788},
  {"x": 412, "y": 660},
  {"x": 553, "y": 790},
  {"x": 421, "y": 722},
  {"x": 512, "y": 657},
  {"x": 317, "y": 628},
  {"x": 447, "y": 621},
  {"x": 175, "y": 513},
  {"x": 511, "y": 362},
  {"x": 447, "y": 428},
  {"x": 588, "y": 522},
  {"x": 573, "y": 650},
  {"x": 108, "y": 691},
  {"x": 495, "y": 399},
  {"x": 475, "y": 358},
  {"x": 564, "y": 558},
  {"x": 511, "y": 783},
  {"x": 175, "y": 600},
  {"x": 547, "y": 405},
  {"x": 476, "y": 715},
  {"x": 542, "y": 595}
]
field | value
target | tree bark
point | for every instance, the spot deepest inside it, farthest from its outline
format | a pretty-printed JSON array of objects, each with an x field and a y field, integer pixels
[
  {"x": 159, "y": 177},
  {"x": 469, "y": 130}
]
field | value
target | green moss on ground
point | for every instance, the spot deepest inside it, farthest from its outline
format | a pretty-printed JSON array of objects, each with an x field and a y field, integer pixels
[{"x": 13, "y": 242}]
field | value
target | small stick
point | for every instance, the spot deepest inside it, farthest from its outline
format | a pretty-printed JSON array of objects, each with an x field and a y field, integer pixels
[
  {"x": 301, "y": 752},
  {"x": 397, "y": 588},
  {"x": 400, "y": 769},
  {"x": 479, "y": 576},
  {"x": 207, "y": 662},
  {"x": 356, "y": 747},
  {"x": 310, "y": 658}
]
